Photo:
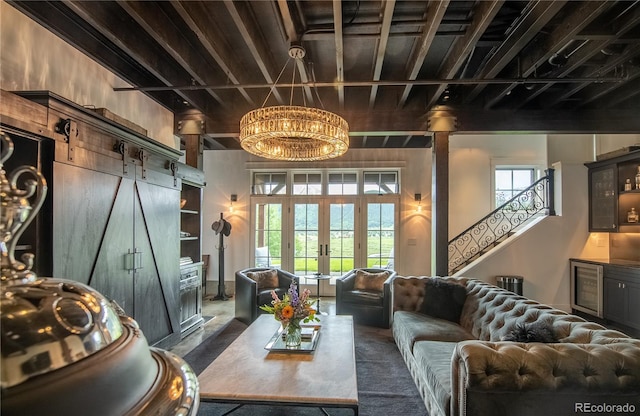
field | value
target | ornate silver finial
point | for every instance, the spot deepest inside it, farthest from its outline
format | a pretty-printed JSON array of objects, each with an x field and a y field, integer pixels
[{"x": 16, "y": 213}]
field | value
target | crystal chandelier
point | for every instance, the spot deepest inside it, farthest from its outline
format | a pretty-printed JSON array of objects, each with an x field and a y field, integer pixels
[{"x": 290, "y": 132}]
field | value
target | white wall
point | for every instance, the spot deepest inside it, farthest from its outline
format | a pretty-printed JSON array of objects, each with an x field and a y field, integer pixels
[
  {"x": 32, "y": 58},
  {"x": 541, "y": 253},
  {"x": 471, "y": 158},
  {"x": 228, "y": 172}
]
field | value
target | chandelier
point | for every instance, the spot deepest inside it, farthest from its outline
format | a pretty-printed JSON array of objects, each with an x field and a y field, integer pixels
[{"x": 290, "y": 132}]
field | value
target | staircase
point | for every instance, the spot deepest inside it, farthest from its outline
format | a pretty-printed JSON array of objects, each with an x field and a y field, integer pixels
[{"x": 502, "y": 223}]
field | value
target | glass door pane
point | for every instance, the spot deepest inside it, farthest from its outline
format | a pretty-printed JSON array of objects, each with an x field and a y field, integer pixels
[
  {"x": 306, "y": 229},
  {"x": 380, "y": 235},
  {"x": 341, "y": 253},
  {"x": 268, "y": 235}
]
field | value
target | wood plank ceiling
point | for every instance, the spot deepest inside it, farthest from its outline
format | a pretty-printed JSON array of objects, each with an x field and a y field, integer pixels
[{"x": 555, "y": 66}]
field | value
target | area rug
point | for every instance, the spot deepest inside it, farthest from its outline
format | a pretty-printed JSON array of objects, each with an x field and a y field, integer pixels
[{"x": 385, "y": 387}]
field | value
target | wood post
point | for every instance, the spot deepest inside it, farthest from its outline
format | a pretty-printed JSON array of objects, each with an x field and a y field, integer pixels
[{"x": 441, "y": 122}]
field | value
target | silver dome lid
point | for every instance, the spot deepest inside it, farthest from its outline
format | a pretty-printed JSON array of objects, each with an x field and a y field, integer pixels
[
  {"x": 52, "y": 323},
  {"x": 66, "y": 343}
]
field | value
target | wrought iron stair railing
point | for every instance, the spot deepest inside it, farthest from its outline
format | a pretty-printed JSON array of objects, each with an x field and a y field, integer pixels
[{"x": 500, "y": 224}]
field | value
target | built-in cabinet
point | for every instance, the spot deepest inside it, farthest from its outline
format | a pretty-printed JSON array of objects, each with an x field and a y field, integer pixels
[
  {"x": 191, "y": 265},
  {"x": 114, "y": 212},
  {"x": 609, "y": 200},
  {"x": 622, "y": 295}
]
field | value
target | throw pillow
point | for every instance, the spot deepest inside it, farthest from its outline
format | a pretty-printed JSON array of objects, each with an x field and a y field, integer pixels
[
  {"x": 533, "y": 332},
  {"x": 443, "y": 299},
  {"x": 267, "y": 279},
  {"x": 370, "y": 281}
]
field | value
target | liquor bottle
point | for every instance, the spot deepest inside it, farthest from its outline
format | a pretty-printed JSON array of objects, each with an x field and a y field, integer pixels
[
  {"x": 627, "y": 185},
  {"x": 632, "y": 216},
  {"x": 638, "y": 178}
]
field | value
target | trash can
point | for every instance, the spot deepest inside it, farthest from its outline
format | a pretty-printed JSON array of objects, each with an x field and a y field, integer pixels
[{"x": 511, "y": 283}]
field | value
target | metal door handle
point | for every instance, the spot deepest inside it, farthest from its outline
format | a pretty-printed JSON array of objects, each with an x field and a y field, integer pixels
[{"x": 326, "y": 249}]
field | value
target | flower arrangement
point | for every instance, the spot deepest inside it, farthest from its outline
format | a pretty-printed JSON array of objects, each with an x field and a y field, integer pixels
[{"x": 291, "y": 310}]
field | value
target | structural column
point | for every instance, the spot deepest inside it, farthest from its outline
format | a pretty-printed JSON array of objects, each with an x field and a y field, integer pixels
[
  {"x": 190, "y": 128},
  {"x": 441, "y": 122}
]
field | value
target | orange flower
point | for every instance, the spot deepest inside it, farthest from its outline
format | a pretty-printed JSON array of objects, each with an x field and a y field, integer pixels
[{"x": 287, "y": 312}]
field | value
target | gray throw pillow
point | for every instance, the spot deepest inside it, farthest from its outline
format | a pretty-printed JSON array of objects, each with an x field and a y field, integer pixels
[{"x": 443, "y": 299}]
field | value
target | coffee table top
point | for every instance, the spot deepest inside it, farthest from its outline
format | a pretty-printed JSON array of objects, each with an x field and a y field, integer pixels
[{"x": 247, "y": 372}]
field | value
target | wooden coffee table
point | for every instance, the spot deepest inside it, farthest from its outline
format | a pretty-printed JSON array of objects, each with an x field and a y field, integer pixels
[{"x": 247, "y": 373}]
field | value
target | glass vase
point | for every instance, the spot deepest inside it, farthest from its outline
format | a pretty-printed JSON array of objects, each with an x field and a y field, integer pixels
[{"x": 293, "y": 335}]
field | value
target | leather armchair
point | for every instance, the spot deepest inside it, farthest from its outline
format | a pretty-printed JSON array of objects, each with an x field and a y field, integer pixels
[
  {"x": 368, "y": 306},
  {"x": 249, "y": 298}
]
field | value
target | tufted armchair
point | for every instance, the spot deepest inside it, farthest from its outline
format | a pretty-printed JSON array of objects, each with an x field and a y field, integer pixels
[
  {"x": 366, "y": 294},
  {"x": 253, "y": 289}
]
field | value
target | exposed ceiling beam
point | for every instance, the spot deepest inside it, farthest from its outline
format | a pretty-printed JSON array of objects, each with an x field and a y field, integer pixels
[
  {"x": 612, "y": 63},
  {"x": 594, "y": 92},
  {"x": 433, "y": 17},
  {"x": 101, "y": 16},
  {"x": 247, "y": 25},
  {"x": 166, "y": 34},
  {"x": 484, "y": 14},
  {"x": 626, "y": 24},
  {"x": 61, "y": 21},
  {"x": 293, "y": 34},
  {"x": 385, "y": 27},
  {"x": 221, "y": 53},
  {"x": 434, "y": 81},
  {"x": 538, "y": 54},
  {"x": 532, "y": 22}
]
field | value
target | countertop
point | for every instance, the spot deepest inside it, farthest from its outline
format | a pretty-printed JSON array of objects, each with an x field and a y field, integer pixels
[{"x": 611, "y": 262}]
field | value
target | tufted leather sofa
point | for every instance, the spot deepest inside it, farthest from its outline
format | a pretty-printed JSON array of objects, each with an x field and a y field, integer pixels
[{"x": 464, "y": 368}]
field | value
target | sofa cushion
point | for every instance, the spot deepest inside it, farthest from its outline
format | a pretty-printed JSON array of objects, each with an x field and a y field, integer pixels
[
  {"x": 370, "y": 281},
  {"x": 363, "y": 297},
  {"x": 411, "y": 327},
  {"x": 433, "y": 359},
  {"x": 443, "y": 299},
  {"x": 266, "y": 279}
]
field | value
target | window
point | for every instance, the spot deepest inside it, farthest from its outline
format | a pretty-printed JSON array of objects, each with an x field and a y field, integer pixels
[
  {"x": 381, "y": 183},
  {"x": 511, "y": 181},
  {"x": 343, "y": 184},
  {"x": 307, "y": 184},
  {"x": 269, "y": 183}
]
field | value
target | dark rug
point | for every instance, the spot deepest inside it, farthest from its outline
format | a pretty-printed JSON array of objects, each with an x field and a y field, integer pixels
[{"x": 385, "y": 387}]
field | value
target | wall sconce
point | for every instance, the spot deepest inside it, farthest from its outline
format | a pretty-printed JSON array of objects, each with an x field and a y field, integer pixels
[
  {"x": 234, "y": 198},
  {"x": 418, "y": 199}
]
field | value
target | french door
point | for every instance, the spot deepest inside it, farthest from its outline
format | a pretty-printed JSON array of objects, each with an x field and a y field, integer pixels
[
  {"x": 327, "y": 235},
  {"x": 324, "y": 239}
]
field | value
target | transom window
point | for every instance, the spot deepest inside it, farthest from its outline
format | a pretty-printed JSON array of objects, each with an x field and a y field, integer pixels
[
  {"x": 343, "y": 184},
  {"x": 307, "y": 184},
  {"x": 326, "y": 183},
  {"x": 381, "y": 183},
  {"x": 268, "y": 183}
]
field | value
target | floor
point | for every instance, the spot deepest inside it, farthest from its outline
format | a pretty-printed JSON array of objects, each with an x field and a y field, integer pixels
[{"x": 223, "y": 311}]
